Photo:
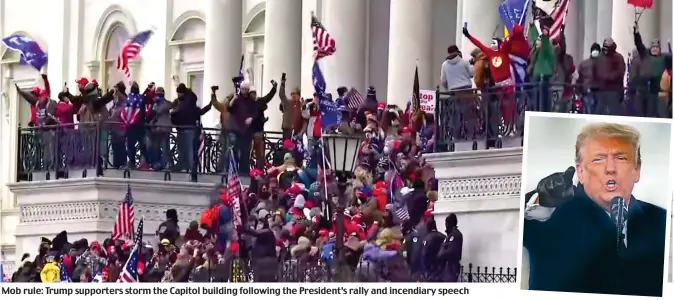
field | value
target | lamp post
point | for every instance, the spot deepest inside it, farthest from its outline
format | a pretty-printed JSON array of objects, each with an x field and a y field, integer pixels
[{"x": 342, "y": 151}]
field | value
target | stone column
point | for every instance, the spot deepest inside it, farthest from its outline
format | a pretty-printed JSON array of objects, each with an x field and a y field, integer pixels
[
  {"x": 483, "y": 22},
  {"x": 604, "y": 18},
  {"x": 589, "y": 28},
  {"x": 282, "y": 52},
  {"x": 345, "y": 20},
  {"x": 410, "y": 45},
  {"x": 623, "y": 20},
  {"x": 573, "y": 30},
  {"x": 665, "y": 9},
  {"x": 307, "y": 87},
  {"x": 222, "y": 50}
]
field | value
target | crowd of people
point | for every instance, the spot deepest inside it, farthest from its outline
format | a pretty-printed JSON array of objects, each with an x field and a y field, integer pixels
[
  {"x": 537, "y": 73},
  {"x": 298, "y": 220}
]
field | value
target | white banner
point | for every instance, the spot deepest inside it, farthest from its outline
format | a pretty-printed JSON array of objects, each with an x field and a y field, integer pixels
[{"x": 427, "y": 101}]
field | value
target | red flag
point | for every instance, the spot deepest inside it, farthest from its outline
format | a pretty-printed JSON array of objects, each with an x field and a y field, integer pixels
[{"x": 641, "y": 3}]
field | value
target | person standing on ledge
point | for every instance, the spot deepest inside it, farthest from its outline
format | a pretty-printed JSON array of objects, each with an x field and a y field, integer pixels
[{"x": 573, "y": 244}]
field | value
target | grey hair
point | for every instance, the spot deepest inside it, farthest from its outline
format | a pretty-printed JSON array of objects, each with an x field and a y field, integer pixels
[{"x": 622, "y": 132}]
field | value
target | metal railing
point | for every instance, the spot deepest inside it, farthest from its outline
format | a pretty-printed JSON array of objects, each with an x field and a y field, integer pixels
[
  {"x": 60, "y": 150},
  {"x": 319, "y": 271},
  {"x": 472, "y": 119}
]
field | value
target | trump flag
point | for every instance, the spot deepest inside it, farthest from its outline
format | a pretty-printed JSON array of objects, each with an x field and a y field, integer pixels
[{"x": 30, "y": 51}]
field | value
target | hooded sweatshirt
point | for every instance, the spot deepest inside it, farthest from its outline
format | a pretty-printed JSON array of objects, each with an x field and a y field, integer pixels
[{"x": 456, "y": 72}]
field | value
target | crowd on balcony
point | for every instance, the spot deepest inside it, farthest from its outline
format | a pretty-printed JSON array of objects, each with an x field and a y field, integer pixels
[{"x": 537, "y": 73}]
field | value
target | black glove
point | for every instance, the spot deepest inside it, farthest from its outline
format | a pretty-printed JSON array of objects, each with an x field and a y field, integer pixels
[
  {"x": 465, "y": 32},
  {"x": 556, "y": 188}
]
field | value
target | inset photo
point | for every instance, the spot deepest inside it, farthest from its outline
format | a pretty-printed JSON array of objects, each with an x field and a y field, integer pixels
[{"x": 596, "y": 190}]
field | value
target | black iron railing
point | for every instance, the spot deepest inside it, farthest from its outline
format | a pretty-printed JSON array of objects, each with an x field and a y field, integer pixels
[
  {"x": 319, "y": 271},
  {"x": 472, "y": 119},
  {"x": 62, "y": 150}
]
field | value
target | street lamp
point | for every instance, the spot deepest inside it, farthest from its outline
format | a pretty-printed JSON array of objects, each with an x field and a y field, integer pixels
[{"x": 342, "y": 151}]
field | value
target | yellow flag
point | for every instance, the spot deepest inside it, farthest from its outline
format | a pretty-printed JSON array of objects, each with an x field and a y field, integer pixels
[{"x": 505, "y": 32}]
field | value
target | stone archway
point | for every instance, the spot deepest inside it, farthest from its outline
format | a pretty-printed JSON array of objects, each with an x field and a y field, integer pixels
[{"x": 115, "y": 23}]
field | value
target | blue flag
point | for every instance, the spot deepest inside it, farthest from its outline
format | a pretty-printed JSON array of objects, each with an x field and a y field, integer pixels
[
  {"x": 513, "y": 12},
  {"x": 30, "y": 51},
  {"x": 330, "y": 115}
]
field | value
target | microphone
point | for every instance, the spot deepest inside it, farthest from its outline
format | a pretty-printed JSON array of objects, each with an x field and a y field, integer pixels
[{"x": 618, "y": 216}]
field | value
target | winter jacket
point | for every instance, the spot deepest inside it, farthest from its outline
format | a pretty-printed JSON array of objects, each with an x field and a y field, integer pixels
[
  {"x": 223, "y": 109},
  {"x": 587, "y": 73},
  {"x": 611, "y": 71},
  {"x": 50, "y": 273},
  {"x": 542, "y": 59},
  {"x": 292, "y": 112},
  {"x": 482, "y": 74},
  {"x": 93, "y": 107},
  {"x": 169, "y": 230},
  {"x": 187, "y": 113},
  {"x": 651, "y": 66},
  {"x": 456, "y": 72},
  {"x": 65, "y": 113},
  {"x": 564, "y": 66},
  {"x": 260, "y": 106},
  {"x": 115, "y": 113},
  {"x": 417, "y": 203},
  {"x": 452, "y": 250},
  {"x": 241, "y": 107}
]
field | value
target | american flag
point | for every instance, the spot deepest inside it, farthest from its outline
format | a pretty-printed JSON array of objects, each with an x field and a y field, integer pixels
[
  {"x": 353, "y": 99},
  {"x": 124, "y": 224},
  {"x": 324, "y": 43},
  {"x": 130, "y": 51},
  {"x": 130, "y": 272},
  {"x": 234, "y": 189},
  {"x": 132, "y": 109},
  {"x": 64, "y": 273},
  {"x": 554, "y": 20}
]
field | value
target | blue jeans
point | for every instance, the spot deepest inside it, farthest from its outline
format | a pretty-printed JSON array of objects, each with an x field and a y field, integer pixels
[
  {"x": 159, "y": 152},
  {"x": 543, "y": 93},
  {"x": 186, "y": 149},
  {"x": 242, "y": 144}
]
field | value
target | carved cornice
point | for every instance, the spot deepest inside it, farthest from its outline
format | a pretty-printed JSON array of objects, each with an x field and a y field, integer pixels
[{"x": 493, "y": 186}]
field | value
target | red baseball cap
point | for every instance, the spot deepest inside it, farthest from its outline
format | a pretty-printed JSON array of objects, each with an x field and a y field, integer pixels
[{"x": 82, "y": 81}]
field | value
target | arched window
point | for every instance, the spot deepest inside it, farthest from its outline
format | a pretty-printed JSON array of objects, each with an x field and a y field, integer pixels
[{"x": 116, "y": 38}]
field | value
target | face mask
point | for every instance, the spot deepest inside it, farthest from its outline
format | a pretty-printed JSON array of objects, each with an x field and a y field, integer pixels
[{"x": 595, "y": 53}]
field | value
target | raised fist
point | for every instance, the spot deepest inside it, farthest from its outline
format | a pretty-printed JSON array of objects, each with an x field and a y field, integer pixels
[
  {"x": 465, "y": 31},
  {"x": 273, "y": 82},
  {"x": 556, "y": 188}
]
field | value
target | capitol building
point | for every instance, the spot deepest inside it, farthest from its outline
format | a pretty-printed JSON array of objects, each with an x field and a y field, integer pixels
[{"x": 201, "y": 42}]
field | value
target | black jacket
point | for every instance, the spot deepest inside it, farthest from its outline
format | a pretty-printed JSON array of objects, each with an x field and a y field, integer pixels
[
  {"x": 576, "y": 249},
  {"x": 188, "y": 112}
]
